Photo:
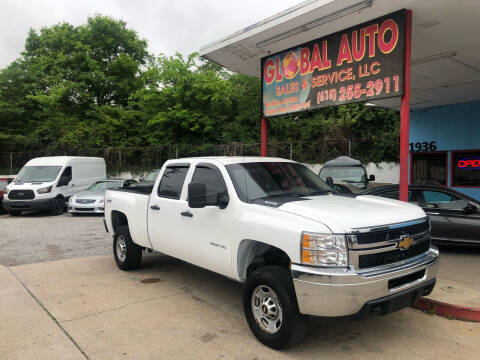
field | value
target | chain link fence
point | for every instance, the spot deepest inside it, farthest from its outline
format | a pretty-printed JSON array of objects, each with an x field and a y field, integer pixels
[{"x": 137, "y": 160}]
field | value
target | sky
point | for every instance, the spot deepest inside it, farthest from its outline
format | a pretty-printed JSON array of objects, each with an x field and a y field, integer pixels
[{"x": 168, "y": 25}]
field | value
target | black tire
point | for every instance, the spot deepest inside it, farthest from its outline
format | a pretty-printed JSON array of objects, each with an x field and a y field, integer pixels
[
  {"x": 294, "y": 326},
  {"x": 14, "y": 213},
  {"x": 133, "y": 252},
  {"x": 58, "y": 207}
]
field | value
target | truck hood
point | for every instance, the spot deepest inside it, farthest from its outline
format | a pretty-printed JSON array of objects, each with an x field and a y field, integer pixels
[{"x": 343, "y": 214}]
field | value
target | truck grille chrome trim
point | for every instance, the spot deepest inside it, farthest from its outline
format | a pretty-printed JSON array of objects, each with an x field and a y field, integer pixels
[{"x": 381, "y": 246}]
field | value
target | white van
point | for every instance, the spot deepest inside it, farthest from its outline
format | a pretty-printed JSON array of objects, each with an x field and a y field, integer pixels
[{"x": 47, "y": 183}]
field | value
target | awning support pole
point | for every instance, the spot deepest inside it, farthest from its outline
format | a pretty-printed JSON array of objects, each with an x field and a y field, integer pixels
[
  {"x": 405, "y": 111},
  {"x": 263, "y": 148}
]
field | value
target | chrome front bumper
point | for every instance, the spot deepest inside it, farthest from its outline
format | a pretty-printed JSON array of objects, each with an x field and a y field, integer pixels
[{"x": 341, "y": 292}]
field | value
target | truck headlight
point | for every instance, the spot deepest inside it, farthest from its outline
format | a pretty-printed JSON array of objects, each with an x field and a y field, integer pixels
[
  {"x": 101, "y": 201},
  {"x": 6, "y": 191},
  {"x": 324, "y": 249},
  {"x": 44, "y": 190}
]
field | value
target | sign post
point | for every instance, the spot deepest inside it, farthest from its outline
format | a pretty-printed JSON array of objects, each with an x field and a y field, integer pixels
[
  {"x": 405, "y": 111},
  {"x": 263, "y": 147}
]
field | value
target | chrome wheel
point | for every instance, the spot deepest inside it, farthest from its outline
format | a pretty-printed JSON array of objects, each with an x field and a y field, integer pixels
[
  {"x": 266, "y": 309},
  {"x": 121, "y": 248}
]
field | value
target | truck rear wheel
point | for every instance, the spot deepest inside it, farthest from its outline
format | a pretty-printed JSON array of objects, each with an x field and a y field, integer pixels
[
  {"x": 128, "y": 255},
  {"x": 271, "y": 308}
]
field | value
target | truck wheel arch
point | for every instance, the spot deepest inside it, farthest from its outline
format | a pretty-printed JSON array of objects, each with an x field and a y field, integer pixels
[
  {"x": 118, "y": 219},
  {"x": 253, "y": 254}
]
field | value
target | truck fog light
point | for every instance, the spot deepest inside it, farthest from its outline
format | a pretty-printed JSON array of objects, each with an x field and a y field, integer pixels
[{"x": 324, "y": 249}]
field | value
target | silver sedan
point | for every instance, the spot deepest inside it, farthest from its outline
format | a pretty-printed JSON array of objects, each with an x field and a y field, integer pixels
[{"x": 91, "y": 201}]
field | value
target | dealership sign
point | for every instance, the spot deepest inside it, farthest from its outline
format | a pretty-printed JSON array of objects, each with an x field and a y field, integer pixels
[{"x": 362, "y": 63}]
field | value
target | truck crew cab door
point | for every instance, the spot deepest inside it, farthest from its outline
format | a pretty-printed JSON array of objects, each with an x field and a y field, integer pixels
[
  {"x": 208, "y": 231},
  {"x": 163, "y": 212}
]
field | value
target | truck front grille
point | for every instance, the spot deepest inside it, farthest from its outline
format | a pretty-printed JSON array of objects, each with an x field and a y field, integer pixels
[
  {"x": 391, "y": 234},
  {"x": 392, "y": 256},
  {"x": 21, "y": 195}
]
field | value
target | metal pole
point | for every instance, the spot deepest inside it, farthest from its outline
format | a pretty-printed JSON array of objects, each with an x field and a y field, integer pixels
[
  {"x": 291, "y": 149},
  {"x": 349, "y": 147},
  {"x": 405, "y": 111},
  {"x": 263, "y": 147},
  {"x": 11, "y": 164},
  {"x": 176, "y": 152},
  {"x": 120, "y": 158}
]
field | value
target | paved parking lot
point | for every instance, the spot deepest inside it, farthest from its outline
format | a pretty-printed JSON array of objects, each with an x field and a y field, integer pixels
[
  {"x": 83, "y": 307},
  {"x": 37, "y": 237}
]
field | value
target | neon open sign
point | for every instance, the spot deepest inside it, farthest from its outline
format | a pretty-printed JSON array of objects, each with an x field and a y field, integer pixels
[{"x": 470, "y": 163}]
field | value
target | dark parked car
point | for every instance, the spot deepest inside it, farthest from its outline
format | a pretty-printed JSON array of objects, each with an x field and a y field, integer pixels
[
  {"x": 146, "y": 185},
  {"x": 455, "y": 217}
]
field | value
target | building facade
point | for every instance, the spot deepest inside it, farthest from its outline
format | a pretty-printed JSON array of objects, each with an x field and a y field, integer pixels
[{"x": 445, "y": 147}]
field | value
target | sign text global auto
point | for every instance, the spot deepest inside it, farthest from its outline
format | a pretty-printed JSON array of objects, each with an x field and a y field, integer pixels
[{"x": 362, "y": 63}]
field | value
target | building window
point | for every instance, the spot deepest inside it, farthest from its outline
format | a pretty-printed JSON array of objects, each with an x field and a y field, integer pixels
[
  {"x": 466, "y": 168},
  {"x": 429, "y": 169}
]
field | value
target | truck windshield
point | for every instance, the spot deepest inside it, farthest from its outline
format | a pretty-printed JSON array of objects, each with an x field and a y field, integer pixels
[
  {"x": 104, "y": 185},
  {"x": 261, "y": 180},
  {"x": 38, "y": 173},
  {"x": 352, "y": 174}
]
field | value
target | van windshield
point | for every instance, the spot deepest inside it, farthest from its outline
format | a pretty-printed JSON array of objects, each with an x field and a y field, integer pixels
[
  {"x": 38, "y": 173},
  {"x": 353, "y": 174},
  {"x": 264, "y": 180}
]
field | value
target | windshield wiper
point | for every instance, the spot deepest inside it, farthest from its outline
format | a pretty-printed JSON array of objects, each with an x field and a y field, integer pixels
[
  {"x": 322, "y": 192},
  {"x": 279, "y": 195}
]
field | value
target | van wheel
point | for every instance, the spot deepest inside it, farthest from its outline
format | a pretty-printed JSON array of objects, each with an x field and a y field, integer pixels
[
  {"x": 58, "y": 207},
  {"x": 271, "y": 308},
  {"x": 128, "y": 255}
]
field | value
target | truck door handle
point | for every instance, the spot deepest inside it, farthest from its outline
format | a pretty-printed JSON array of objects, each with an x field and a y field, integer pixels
[
  {"x": 155, "y": 207},
  {"x": 433, "y": 213},
  {"x": 186, "y": 213}
]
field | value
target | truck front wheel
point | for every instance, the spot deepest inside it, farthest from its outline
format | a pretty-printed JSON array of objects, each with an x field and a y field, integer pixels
[
  {"x": 271, "y": 308},
  {"x": 128, "y": 255}
]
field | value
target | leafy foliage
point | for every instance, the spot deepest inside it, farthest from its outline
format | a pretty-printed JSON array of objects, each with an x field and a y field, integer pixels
[{"x": 96, "y": 86}]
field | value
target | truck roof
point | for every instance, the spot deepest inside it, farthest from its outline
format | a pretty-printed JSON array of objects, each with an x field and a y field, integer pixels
[
  {"x": 226, "y": 160},
  {"x": 60, "y": 160}
]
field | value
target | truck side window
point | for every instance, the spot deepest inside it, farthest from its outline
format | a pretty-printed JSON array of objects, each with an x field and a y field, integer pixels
[
  {"x": 172, "y": 182},
  {"x": 213, "y": 181}
]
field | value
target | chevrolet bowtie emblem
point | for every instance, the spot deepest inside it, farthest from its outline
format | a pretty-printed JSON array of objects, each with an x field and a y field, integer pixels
[{"x": 405, "y": 242}]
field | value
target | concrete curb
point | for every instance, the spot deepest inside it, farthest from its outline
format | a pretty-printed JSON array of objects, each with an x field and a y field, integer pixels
[{"x": 450, "y": 311}]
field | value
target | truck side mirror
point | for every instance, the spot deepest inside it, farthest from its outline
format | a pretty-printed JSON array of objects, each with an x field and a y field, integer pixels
[
  {"x": 371, "y": 178},
  {"x": 197, "y": 195},
  {"x": 223, "y": 199},
  {"x": 329, "y": 181}
]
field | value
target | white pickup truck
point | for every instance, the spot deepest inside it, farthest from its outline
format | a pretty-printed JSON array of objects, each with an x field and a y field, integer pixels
[{"x": 299, "y": 248}]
